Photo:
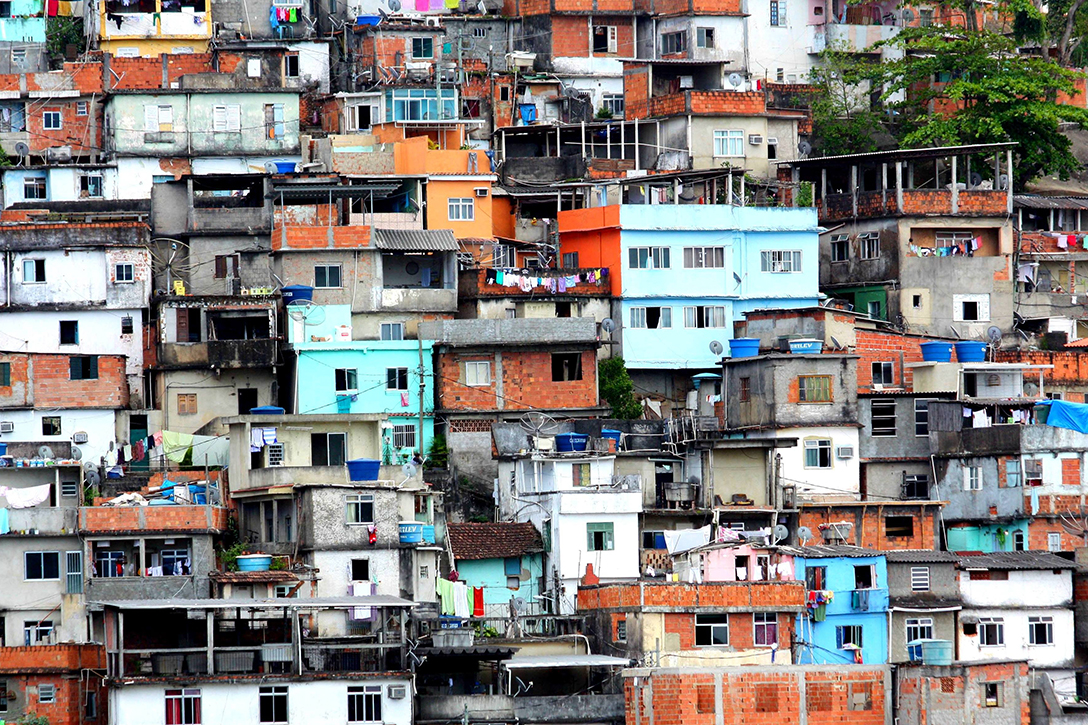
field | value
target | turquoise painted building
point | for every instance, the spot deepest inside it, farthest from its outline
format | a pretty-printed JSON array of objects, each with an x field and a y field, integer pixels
[
  {"x": 855, "y": 620},
  {"x": 337, "y": 375},
  {"x": 25, "y": 22},
  {"x": 988, "y": 538},
  {"x": 506, "y": 559}
]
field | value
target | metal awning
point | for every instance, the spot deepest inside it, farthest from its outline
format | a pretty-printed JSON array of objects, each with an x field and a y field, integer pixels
[
  {"x": 416, "y": 240},
  {"x": 376, "y": 600},
  {"x": 323, "y": 192},
  {"x": 551, "y": 661},
  {"x": 872, "y": 157}
]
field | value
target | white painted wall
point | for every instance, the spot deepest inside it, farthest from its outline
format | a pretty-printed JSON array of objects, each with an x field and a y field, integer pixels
[
  {"x": 313, "y": 63},
  {"x": 841, "y": 482},
  {"x": 99, "y": 425},
  {"x": 99, "y": 334},
  {"x": 238, "y": 703},
  {"x": 1016, "y": 645},
  {"x": 80, "y": 277},
  {"x": 1028, "y": 588},
  {"x": 62, "y": 183},
  {"x": 771, "y": 48},
  {"x": 28, "y": 601}
]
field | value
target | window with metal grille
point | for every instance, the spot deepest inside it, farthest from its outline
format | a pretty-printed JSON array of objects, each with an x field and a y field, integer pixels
[
  {"x": 883, "y": 417},
  {"x": 275, "y": 454},
  {"x": 404, "y": 436},
  {"x": 73, "y": 568},
  {"x": 364, "y": 704}
]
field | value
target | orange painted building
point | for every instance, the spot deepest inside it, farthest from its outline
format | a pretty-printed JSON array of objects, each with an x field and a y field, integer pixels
[{"x": 594, "y": 235}]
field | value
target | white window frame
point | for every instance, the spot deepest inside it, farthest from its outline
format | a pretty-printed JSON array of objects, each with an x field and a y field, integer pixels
[
  {"x": 1054, "y": 541},
  {"x": 819, "y": 445},
  {"x": 998, "y": 623},
  {"x": 124, "y": 273},
  {"x": 40, "y": 185},
  {"x": 369, "y": 698},
  {"x": 638, "y": 318},
  {"x": 704, "y": 37},
  {"x": 982, "y": 306},
  {"x": 47, "y": 693},
  {"x": 404, "y": 436},
  {"x": 350, "y": 377},
  {"x": 972, "y": 478},
  {"x": 93, "y": 183},
  {"x": 728, "y": 143},
  {"x": 713, "y": 627},
  {"x": 776, "y": 14},
  {"x": 273, "y": 692},
  {"x": 52, "y": 121},
  {"x": 869, "y": 246},
  {"x": 1047, "y": 624},
  {"x": 919, "y": 578},
  {"x": 227, "y": 118},
  {"x": 43, "y": 577},
  {"x": 844, "y": 240},
  {"x": 614, "y": 103},
  {"x": 886, "y": 372},
  {"x": 763, "y": 621},
  {"x": 392, "y": 331},
  {"x": 780, "y": 261},
  {"x": 920, "y": 625},
  {"x": 478, "y": 373},
  {"x": 704, "y": 257},
  {"x": 353, "y": 509},
  {"x": 158, "y": 119},
  {"x": 328, "y": 268},
  {"x": 186, "y": 695},
  {"x": 649, "y": 258},
  {"x": 461, "y": 209}
]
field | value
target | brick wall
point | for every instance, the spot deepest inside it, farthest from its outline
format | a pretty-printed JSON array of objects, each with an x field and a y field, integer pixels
[
  {"x": 115, "y": 519},
  {"x": 869, "y": 529},
  {"x": 931, "y": 694},
  {"x": 24, "y": 669},
  {"x": 636, "y": 91},
  {"x": 526, "y": 378},
  {"x": 1069, "y": 368},
  {"x": 81, "y": 133},
  {"x": 570, "y": 36},
  {"x": 54, "y": 388},
  {"x": 724, "y": 594},
  {"x": 52, "y": 658},
  {"x": 874, "y": 346}
]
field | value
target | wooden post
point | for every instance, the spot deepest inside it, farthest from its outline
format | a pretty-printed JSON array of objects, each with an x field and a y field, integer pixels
[
  {"x": 209, "y": 618},
  {"x": 899, "y": 186},
  {"x": 955, "y": 189}
]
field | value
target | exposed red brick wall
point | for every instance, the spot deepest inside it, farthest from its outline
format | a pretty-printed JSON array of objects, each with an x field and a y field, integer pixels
[
  {"x": 25, "y": 668},
  {"x": 54, "y": 388},
  {"x": 526, "y": 378},
  {"x": 111, "y": 519},
  {"x": 1070, "y": 471},
  {"x": 869, "y": 524},
  {"x": 717, "y": 594},
  {"x": 875, "y": 346},
  {"x": 947, "y": 697},
  {"x": 570, "y": 36}
]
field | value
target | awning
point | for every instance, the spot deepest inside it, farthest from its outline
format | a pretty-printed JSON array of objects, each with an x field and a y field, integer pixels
[
  {"x": 375, "y": 600},
  {"x": 416, "y": 240},
  {"x": 323, "y": 192},
  {"x": 550, "y": 661}
]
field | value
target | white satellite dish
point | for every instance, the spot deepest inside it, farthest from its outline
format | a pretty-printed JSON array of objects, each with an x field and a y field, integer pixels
[
  {"x": 271, "y": 167},
  {"x": 608, "y": 325},
  {"x": 781, "y": 533},
  {"x": 306, "y": 311},
  {"x": 76, "y": 453},
  {"x": 716, "y": 347},
  {"x": 804, "y": 534},
  {"x": 994, "y": 333},
  {"x": 45, "y": 452},
  {"x": 736, "y": 79}
]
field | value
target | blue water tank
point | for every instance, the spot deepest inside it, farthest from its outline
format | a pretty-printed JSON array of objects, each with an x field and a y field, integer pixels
[{"x": 297, "y": 293}]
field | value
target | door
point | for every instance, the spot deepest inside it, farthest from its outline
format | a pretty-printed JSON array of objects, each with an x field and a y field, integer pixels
[
  {"x": 663, "y": 474},
  {"x": 247, "y": 400},
  {"x": 137, "y": 431}
]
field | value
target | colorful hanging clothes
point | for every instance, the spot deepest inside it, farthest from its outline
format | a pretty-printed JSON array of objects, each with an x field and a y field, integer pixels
[{"x": 176, "y": 445}]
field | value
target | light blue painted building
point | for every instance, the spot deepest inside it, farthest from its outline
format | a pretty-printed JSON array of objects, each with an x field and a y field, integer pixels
[
  {"x": 506, "y": 559},
  {"x": 988, "y": 538},
  {"x": 336, "y": 375},
  {"x": 24, "y": 22},
  {"x": 857, "y": 614},
  {"x": 685, "y": 273}
]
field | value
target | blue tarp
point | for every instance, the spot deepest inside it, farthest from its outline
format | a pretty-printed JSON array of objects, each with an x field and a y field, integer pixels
[{"x": 1064, "y": 414}]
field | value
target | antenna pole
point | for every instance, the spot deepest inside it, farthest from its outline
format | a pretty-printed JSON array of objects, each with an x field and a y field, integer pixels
[{"x": 422, "y": 385}]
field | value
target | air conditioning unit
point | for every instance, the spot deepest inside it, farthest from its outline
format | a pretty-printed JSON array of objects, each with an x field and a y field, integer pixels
[
  {"x": 397, "y": 692},
  {"x": 7, "y": 427},
  {"x": 755, "y": 139},
  {"x": 844, "y": 452},
  {"x": 481, "y": 190},
  {"x": 772, "y": 141},
  {"x": 79, "y": 437}
]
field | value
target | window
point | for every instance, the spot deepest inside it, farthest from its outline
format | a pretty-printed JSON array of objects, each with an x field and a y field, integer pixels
[
  {"x": 392, "y": 331},
  {"x": 1040, "y": 631},
  {"x": 711, "y": 630},
  {"x": 51, "y": 425},
  {"x": 461, "y": 209},
  {"x": 654, "y": 318},
  {"x": 993, "y": 693},
  {"x": 422, "y": 48},
  {"x": 766, "y": 629},
  {"x": 34, "y": 187},
  {"x": 919, "y": 628},
  {"x": 41, "y": 566},
  {"x": 404, "y": 437},
  {"x": 346, "y": 379},
  {"x": 359, "y": 509},
  {"x": 991, "y": 631},
  {"x": 479, "y": 32},
  {"x": 864, "y": 576},
  {"x": 599, "y": 537},
  {"x": 1054, "y": 541},
  {"x": 159, "y": 119},
  {"x": 870, "y": 245},
  {"x": 883, "y": 417},
  {"x": 621, "y": 630},
  {"x": 704, "y": 257},
  {"x": 327, "y": 276},
  {"x": 183, "y": 707},
  {"x": 921, "y": 417},
  {"x": 780, "y": 261},
  {"x": 51, "y": 121},
  {"x": 848, "y": 635},
  {"x": 778, "y": 13},
  {"x": 916, "y": 301},
  {"x": 674, "y": 43},
  {"x": 899, "y": 526},
  {"x": 47, "y": 693},
  {"x": 275, "y": 454},
  {"x": 290, "y": 65},
  {"x": 5, "y": 374},
  {"x": 274, "y": 705},
  {"x": 970, "y": 308},
  {"x": 704, "y": 37},
  {"x": 919, "y": 578},
  {"x": 3, "y": 696},
  {"x": 613, "y": 103},
  {"x": 648, "y": 258},
  {"x": 37, "y": 632},
  {"x": 478, "y": 373},
  {"x": 1033, "y": 472},
  {"x": 815, "y": 577},
  {"x": 187, "y": 404},
  {"x": 364, "y": 703},
  {"x": 173, "y": 561},
  {"x": 90, "y": 186},
  {"x": 581, "y": 474},
  {"x": 744, "y": 395},
  {"x": 701, "y": 317},
  {"x": 273, "y": 120},
  {"x": 818, "y": 453},
  {"x": 90, "y": 707},
  {"x": 396, "y": 378},
  {"x": 729, "y": 142},
  {"x": 1013, "y": 477},
  {"x": 883, "y": 373},
  {"x": 605, "y": 39},
  {"x": 422, "y": 104},
  {"x": 925, "y": 17},
  {"x": 570, "y": 260},
  {"x": 328, "y": 449},
  {"x": 972, "y": 478},
  {"x": 227, "y": 119},
  {"x": 840, "y": 248},
  {"x": 69, "y": 332},
  {"x": 814, "y": 388},
  {"x": 124, "y": 273},
  {"x": 566, "y": 367}
]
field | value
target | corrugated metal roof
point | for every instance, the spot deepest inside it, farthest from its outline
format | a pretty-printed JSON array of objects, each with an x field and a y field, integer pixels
[
  {"x": 319, "y": 192},
  {"x": 821, "y": 551},
  {"x": 920, "y": 556},
  {"x": 1016, "y": 560},
  {"x": 1032, "y": 201},
  {"x": 899, "y": 154},
  {"x": 416, "y": 240}
]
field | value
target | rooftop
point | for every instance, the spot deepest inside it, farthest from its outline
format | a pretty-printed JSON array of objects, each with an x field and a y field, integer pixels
[
  {"x": 376, "y": 600},
  {"x": 821, "y": 551},
  {"x": 493, "y": 541},
  {"x": 250, "y": 577},
  {"x": 899, "y": 155},
  {"x": 920, "y": 556},
  {"x": 1016, "y": 560}
]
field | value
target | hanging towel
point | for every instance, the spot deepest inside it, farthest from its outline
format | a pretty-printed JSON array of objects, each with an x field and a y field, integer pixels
[
  {"x": 425, "y": 276},
  {"x": 138, "y": 450},
  {"x": 360, "y": 589},
  {"x": 5, "y": 526},
  {"x": 24, "y": 498},
  {"x": 268, "y": 435},
  {"x": 273, "y": 17},
  {"x": 445, "y": 591},
  {"x": 176, "y": 445},
  {"x": 477, "y": 601},
  {"x": 404, "y": 400},
  {"x": 128, "y": 453},
  {"x": 1034, "y": 500},
  {"x": 157, "y": 437},
  {"x": 461, "y": 606},
  {"x": 820, "y": 613}
]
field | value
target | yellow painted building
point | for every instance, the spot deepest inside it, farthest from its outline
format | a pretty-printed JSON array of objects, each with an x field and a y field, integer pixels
[{"x": 153, "y": 27}]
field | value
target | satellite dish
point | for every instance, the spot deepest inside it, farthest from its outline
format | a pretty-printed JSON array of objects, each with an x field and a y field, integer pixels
[
  {"x": 608, "y": 324},
  {"x": 976, "y": 178},
  {"x": 92, "y": 478},
  {"x": 538, "y": 424},
  {"x": 781, "y": 533},
  {"x": 76, "y": 453},
  {"x": 306, "y": 311},
  {"x": 1003, "y": 181},
  {"x": 89, "y": 466},
  {"x": 271, "y": 167},
  {"x": 409, "y": 470},
  {"x": 22, "y": 149},
  {"x": 838, "y": 345},
  {"x": 45, "y": 452},
  {"x": 736, "y": 79},
  {"x": 716, "y": 347},
  {"x": 804, "y": 534},
  {"x": 804, "y": 148},
  {"x": 908, "y": 15},
  {"x": 994, "y": 333},
  {"x": 394, "y": 6},
  {"x": 518, "y": 604}
]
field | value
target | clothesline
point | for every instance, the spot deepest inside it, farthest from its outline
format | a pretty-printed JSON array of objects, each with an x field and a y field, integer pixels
[{"x": 526, "y": 283}]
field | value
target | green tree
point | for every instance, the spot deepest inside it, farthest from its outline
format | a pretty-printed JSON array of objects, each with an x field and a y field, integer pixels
[
  {"x": 616, "y": 389},
  {"x": 843, "y": 119},
  {"x": 985, "y": 92},
  {"x": 61, "y": 32}
]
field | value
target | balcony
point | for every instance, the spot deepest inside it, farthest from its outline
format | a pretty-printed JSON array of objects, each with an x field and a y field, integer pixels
[
  {"x": 473, "y": 284},
  {"x": 219, "y": 353},
  {"x": 408, "y": 299},
  {"x": 43, "y": 521},
  {"x": 142, "y": 519}
]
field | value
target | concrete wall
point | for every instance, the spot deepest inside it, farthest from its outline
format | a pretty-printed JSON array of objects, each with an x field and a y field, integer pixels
[
  {"x": 944, "y": 627},
  {"x": 1016, "y": 646},
  {"x": 757, "y": 157},
  {"x": 1024, "y": 588},
  {"x": 214, "y": 398},
  {"x": 33, "y": 601},
  {"x": 99, "y": 332},
  {"x": 955, "y": 695},
  {"x": 61, "y": 184},
  {"x": 943, "y": 581},
  {"x": 101, "y": 427},
  {"x": 80, "y": 277}
]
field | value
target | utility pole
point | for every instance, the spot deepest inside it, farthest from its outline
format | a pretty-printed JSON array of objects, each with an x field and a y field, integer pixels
[{"x": 422, "y": 387}]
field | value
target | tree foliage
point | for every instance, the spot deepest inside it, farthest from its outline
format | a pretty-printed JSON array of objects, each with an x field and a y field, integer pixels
[
  {"x": 843, "y": 119},
  {"x": 616, "y": 389}
]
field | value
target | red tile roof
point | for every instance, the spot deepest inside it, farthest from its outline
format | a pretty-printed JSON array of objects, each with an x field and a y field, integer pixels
[
  {"x": 248, "y": 577},
  {"x": 493, "y": 541}
]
